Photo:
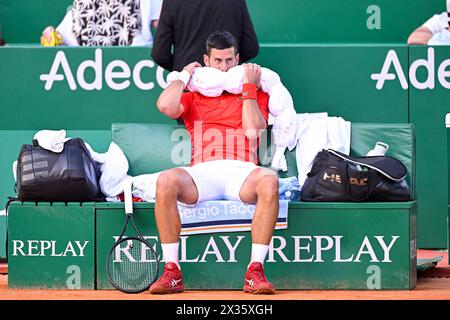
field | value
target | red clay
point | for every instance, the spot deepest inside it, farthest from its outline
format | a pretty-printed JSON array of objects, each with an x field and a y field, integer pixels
[
  {"x": 3, "y": 268},
  {"x": 427, "y": 289}
]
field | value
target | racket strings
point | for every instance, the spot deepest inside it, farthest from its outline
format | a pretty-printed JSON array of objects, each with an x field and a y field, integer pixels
[{"x": 132, "y": 265}]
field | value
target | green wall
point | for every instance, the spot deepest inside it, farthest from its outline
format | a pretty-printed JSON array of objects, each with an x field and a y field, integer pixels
[
  {"x": 275, "y": 21},
  {"x": 59, "y": 253},
  {"x": 339, "y": 21},
  {"x": 61, "y": 107},
  {"x": 352, "y": 222},
  {"x": 337, "y": 79},
  {"x": 428, "y": 109},
  {"x": 327, "y": 246},
  {"x": 321, "y": 78}
]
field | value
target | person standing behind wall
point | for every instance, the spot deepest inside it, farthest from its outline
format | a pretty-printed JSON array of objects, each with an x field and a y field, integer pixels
[{"x": 185, "y": 25}]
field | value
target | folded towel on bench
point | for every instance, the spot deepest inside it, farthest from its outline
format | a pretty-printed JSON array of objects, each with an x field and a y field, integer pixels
[
  {"x": 223, "y": 216},
  {"x": 209, "y": 216}
]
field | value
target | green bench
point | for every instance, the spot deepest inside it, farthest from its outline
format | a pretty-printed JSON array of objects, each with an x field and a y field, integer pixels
[{"x": 326, "y": 245}]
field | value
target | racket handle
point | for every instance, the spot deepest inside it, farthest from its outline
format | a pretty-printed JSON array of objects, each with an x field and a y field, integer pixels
[{"x": 127, "y": 195}]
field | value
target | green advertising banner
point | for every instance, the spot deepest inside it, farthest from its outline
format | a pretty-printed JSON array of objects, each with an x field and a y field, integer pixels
[
  {"x": 429, "y": 84},
  {"x": 77, "y": 88},
  {"x": 338, "y": 79},
  {"x": 51, "y": 246},
  {"x": 88, "y": 88},
  {"x": 326, "y": 246}
]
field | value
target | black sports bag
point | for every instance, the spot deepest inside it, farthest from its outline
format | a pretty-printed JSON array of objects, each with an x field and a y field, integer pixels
[
  {"x": 69, "y": 176},
  {"x": 336, "y": 177}
]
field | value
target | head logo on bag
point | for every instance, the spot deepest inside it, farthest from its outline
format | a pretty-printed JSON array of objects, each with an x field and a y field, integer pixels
[{"x": 336, "y": 177}]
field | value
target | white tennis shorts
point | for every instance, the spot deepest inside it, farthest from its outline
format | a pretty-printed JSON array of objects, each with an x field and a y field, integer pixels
[{"x": 220, "y": 179}]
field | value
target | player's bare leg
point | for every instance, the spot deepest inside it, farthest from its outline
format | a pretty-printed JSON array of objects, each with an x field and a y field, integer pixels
[
  {"x": 260, "y": 187},
  {"x": 173, "y": 185}
]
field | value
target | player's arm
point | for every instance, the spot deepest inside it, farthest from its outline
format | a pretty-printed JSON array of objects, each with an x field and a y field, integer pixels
[
  {"x": 420, "y": 36},
  {"x": 169, "y": 100},
  {"x": 253, "y": 121}
]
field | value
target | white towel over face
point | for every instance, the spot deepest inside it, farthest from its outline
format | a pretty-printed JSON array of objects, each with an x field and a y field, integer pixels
[{"x": 212, "y": 82}]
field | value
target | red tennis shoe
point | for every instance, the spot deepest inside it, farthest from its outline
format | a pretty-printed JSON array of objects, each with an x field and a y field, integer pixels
[
  {"x": 256, "y": 281},
  {"x": 171, "y": 281}
]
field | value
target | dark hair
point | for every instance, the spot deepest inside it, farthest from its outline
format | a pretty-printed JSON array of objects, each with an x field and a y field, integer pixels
[{"x": 220, "y": 40}]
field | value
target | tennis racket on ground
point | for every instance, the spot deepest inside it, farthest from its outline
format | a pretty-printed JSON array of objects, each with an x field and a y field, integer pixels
[{"x": 132, "y": 264}]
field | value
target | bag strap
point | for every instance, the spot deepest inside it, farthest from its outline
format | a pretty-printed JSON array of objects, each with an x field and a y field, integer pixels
[{"x": 384, "y": 173}]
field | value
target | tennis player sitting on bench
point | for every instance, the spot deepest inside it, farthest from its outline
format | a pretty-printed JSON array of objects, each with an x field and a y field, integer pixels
[{"x": 218, "y": 171}]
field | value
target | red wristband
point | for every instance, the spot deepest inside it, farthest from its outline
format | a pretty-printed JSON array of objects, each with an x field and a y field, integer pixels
[{"x": 249, "y": 91}]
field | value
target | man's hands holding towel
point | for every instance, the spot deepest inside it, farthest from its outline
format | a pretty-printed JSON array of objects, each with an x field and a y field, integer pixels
[
  {"x": 191, "y": 66},
  {"x": 252, "y": 74}
]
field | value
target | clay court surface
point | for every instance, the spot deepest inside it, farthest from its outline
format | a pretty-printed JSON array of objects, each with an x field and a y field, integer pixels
[
  {"x": 433, "y": 284},
  {"x": 427, "y": 289}
]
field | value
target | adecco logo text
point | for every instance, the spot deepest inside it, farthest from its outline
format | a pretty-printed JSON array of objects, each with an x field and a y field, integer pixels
[
  {"x": 118, "y": 74},
  {"x": 443, "y": 74}
]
